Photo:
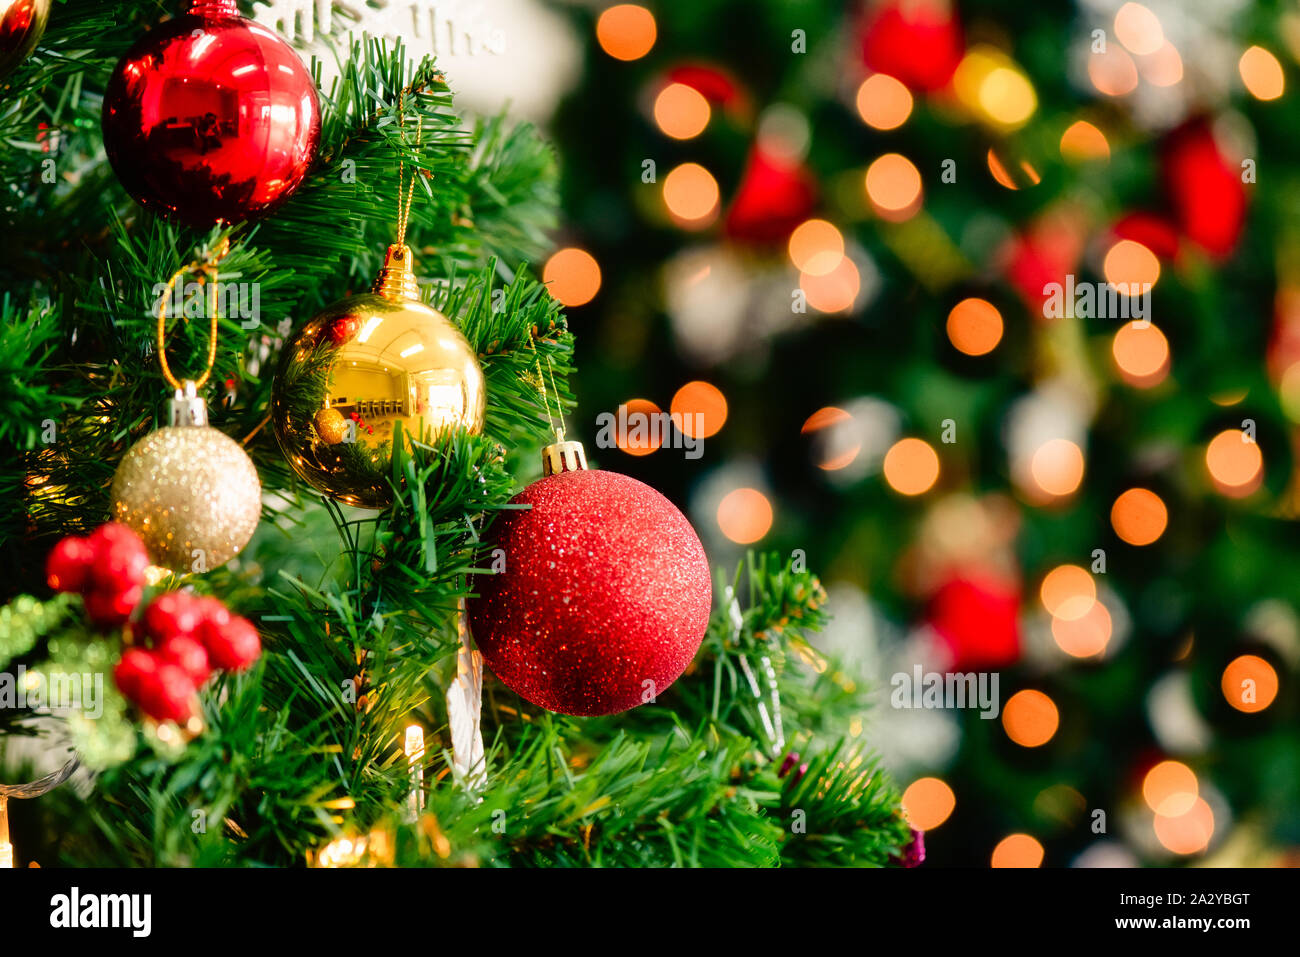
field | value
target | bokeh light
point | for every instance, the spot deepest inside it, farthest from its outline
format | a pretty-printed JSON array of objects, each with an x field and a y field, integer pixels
[
  {"x": 1082, "y": 142},
  {"x": 634, "y": 440},
  {"x": 1261, "y": 73},
  {"x": 1007, "y": 96},
  {"x": 1249, "y": 683},
  {"x": 1057, "y": 467},
  {"x": 681, "y": 111},
  {"x": 1018, "y": 850},
  {"x": 1164, "y": 67},
  {"x": 573, "y": 276},
  {"x": 841, "y": 454},
  {"x": 1235, "y": 463},
  {"x": 691, "y": 194},
  {"x": 1138, "y": 29},
  {"x": 1170, "y": 788},
  {"x": 626, "y": 31},
  {"x": 1012, "y": 175},
  {"x": 927, "y": 803},
  {"x": 1130, "y": 267},
  {"x": 974, "y": 327},
  {"x": 1189, "y": 832},
  {"x": 1141, "y": 354},
  {"x": 1113, "y": 72},
  {"x": 701, "y": 399},
  {"x": 911, "y": 466},
  {"x": 1085, "y": 636},
  {"x": 1139, "y": 516},
  {"x": 816, "y": 247},
  {"x": 745, "y": 515},
  {"x": 883, "y": 102},
  {"x": 1030, "y": 718},
  {"x": 1068, "y": 592},
  {"x": 893, "y": 185},
  {"x": 836, "y": 291}
]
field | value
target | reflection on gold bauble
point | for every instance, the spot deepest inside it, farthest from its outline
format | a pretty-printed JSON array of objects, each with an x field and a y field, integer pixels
[
  {"x": 376, "y": 362},
  {"x": 22, "y": 24},
  {"x": 190, "y": 492}
]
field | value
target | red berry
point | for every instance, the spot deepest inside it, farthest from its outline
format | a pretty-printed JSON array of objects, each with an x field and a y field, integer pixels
[
  {"x": 233, "y": 646},
  {"x": 136, "y": 665},
  {"x": 108, "y": 609},
  {"x": 68, "y": 564},
  {"x": 120, "y": 557},
  {"x": 167, "y": 694},
  {"x": 211, "y": 613},
  {"x": 173, "y": 613},
  {"x": 189, "y": 655}
]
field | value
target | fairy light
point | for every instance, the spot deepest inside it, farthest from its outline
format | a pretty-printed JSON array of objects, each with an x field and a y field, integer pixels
[
  {"x": 1187, "y": 833},
  {"x": 1085, "y": 636},
  {"x": 681, "y": 111},
  {"x": 1082, "y": 142},
  {"x": 1141, "y": 354},
  {"x": 6, "y": 849},
  {"x": 414, "y": 749},
  {"x": 1170, "y": 788},
  {"x": 1113, "y": 73},
  {"x": 911, "y": 466},
  {"x": 1235, "y": 463},
  {"x": 626, "y": 31},
  {"x": 637, "y": 432},
  {"x": 1138, "y": 29},
  {"x": 836, "y": 291},
  {"x": 691, "y": 195},
  {"x": 1131, "y": 267},
  {"x": 700, "y": 408},
  {"x": 1139, "y": 516},
  {"x": 927, "y": 803},
  {"x": 572, "y": 276},
  {"x": 1261, "y": 73},
  {"x": 1012, "y": 176},
  {"x": 1057, "y": 467},
  {"x": 842, "y": 447},
  {"x": 1249, "y": 683},
  {"x": 816, "y": 247},
  {"x": 1068, "y": 592},
  {"x": 883, "y": 102},
  {"x": 893, "y": 185},
  {"x": 1030, "y": 718},
  {"x": 974, "y": 327},
  {"x": 744, "y": 515},
  {"x": 1164, "y": 67},
  {"x": 1017, "y": 850}
]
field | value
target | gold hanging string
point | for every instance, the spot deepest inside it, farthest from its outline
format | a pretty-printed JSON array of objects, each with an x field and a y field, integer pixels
[
  {"x": 538, "y": 382},
  {"x": 404, "y": 204},
  {"x": 209, "y": 268}
]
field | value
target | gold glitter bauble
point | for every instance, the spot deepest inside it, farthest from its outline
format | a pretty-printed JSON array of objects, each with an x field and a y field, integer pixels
[
  {"x": 191, "y": 493},
  {"x": 22, "y": 24},
  {"x": 376, "y": 361}
]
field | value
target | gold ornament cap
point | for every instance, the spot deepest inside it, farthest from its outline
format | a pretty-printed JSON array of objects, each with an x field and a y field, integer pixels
[
  {"x": 396, "y": 279},
  {"x": 187, "y": 407},
  {"x": 563, "y": 456}
]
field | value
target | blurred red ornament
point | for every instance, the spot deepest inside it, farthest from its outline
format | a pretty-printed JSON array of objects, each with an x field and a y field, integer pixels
[
  {"x": 136, "y": 666},
  {"x": 166, "y": 693},
  {"x": 715, "y": 85},
  {"x": 1206, "y": 190},
  {"x": 604, "y": 599},
  {"x": 774, "y": 197},
  {"x": 22, "y": 23},
  {"x": 1046, "y": 253},
  {"x": 108, "y": 609},
  {"x": 233, "y": 645},
  {"x": 107, "y": 569},
  {"x": 918, "y": 42},
  {"x": 68, "y": 565},
  {"x": 173, "y": 614},
  {"x": 187, "y": 654},
  {"x": 977, "y": 617},
  {"x": 1153, "y": 231},
  {"x": 211, "y": 117}
]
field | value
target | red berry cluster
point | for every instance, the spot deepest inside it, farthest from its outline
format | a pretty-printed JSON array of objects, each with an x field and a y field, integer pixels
[
  {"x": 107, "y": 569},
  {"x": 189, "y": 637}
]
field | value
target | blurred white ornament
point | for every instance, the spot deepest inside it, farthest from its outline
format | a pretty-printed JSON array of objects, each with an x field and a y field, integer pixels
[
  {"x": 1175, "y": 721},
  {"x": 1106, "y": 854}
]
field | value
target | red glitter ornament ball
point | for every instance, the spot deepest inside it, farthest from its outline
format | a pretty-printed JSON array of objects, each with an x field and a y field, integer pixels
[
  {"x": 604, "y": 599},
  {"x": 211, "y": 117}
]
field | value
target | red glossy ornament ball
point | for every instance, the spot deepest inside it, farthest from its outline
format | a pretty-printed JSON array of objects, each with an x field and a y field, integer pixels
[
  {"x": 176, "y": 613},
  {"x": 211, "y": 117},
  {"x": 167, "y": 693},
  {"x": 187, "y": 654},
  {"x": 68, "y": 566},
  {"x": 604, "y": 599}
]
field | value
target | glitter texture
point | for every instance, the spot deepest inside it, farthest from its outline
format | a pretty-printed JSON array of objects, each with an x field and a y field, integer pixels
[
  {"x": 188, "y": 489},
  {"x": 604, "y": 600}
]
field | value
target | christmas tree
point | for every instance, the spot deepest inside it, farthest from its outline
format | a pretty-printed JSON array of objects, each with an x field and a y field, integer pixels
[
  {"x": 268, "y": 615},
  {"x": 997, "y": 300}
]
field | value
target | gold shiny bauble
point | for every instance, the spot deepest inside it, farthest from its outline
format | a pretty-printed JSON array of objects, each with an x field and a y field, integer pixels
[
  {"x": 363, "y": 369},
  {"x": 191, "y": 493},
  {"x": 22, "y": 24}
]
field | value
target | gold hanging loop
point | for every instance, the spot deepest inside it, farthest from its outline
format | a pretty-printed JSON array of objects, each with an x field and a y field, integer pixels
[{"x": 210, "y": 270}]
